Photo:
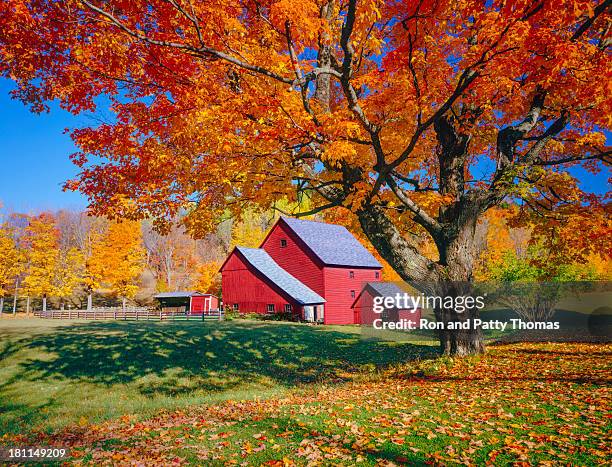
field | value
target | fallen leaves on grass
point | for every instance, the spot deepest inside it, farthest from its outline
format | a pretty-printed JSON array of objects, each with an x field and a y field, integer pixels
[{"x": 519, "y": 403}]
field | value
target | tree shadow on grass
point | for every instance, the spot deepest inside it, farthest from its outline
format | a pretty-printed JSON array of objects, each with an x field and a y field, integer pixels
[{"x": 177, "y": 358}]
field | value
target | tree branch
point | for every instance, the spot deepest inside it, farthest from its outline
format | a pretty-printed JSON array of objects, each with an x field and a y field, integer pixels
[
  {"x": 599, "y": 10},
  {"x": 306, "y": 213},
  {"x": 601, "y": 156},
  {"x": 420, "y": 216},
  {"x": 509, "y": 136},
  {"x": 554, "y": 129},
  {"x": 202, "y": 50}
]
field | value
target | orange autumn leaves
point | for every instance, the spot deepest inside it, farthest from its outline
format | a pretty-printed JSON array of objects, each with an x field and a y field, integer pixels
[
  {"x": 573, "y": 248},
  {"x": 55, "y": 256},
  {"x": 117, "y": 260},
  {"x": 210, "y": 116},
  {"x": 10, "y": 264},
  {"x": 504, "y": 407}
]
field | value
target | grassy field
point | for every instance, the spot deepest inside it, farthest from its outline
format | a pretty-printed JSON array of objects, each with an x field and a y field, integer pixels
[
  {"x": 251, "y": 393},
  {"x": 55, "y": 373}
]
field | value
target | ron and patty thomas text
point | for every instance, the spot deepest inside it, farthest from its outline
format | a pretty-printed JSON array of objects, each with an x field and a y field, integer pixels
[{"x": 515, "y": 323}]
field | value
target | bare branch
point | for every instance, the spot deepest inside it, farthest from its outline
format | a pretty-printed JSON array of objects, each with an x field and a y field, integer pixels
[
  {"x": 412, "y": 181},
  {"x": 554, "y": 129},
  {"x": 603, "y": 156},
  {"x": 420, "y": 216}
]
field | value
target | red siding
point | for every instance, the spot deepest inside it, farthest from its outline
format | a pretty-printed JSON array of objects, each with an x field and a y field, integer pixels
[
  {"x": 295, "y": 258},
  {"x": 200, "y": 304},
  {"x": 363, "y": 309},
  {"x": 331, "y": 282},
  {"x": 410, "y": 315},
  {"x": 197, "y": 305},
  {"x": 242, "y": 284},
  {"x": 338, "y": 287},
  {"x": 364, "y": 312}
]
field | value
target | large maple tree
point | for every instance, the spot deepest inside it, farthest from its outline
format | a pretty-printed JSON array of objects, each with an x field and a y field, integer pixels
[{"x": 411, "y": 114}]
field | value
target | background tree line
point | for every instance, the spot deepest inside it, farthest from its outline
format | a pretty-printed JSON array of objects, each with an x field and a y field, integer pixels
[{"x": 70, "y": 258}]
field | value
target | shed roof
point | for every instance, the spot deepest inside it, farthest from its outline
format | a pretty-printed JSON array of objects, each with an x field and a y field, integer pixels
[
  {"x": 185, "y": 294},
  {"x": 332, "y": 243},
  {"x": 386, "y": 289},
  {"x": 263, "y": 262}
]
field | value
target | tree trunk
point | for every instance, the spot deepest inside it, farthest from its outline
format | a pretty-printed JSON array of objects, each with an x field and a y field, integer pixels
[
  {"x": 123, "y": 304},
  {"x": 450, "y": 276},
  {"x": 464, "y": 339},
  {"x": 15, "y": 297},
  {"x": 1, "y": 306},
  {"x": 462, "y": 342},
  {"x": 323, "y": 81},
  {"x": 44, "y": 304},
  {"x": 394, "y": 248},
  {"x": 458, "y": 251},
  {"x": 89, "y": 301},
  {"x": 28, "y": 306}
]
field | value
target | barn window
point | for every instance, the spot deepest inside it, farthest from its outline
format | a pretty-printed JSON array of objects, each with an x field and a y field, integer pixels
[
  {"x": 352, "y": 294},
  {"x": 271, "y": 308},
  {"x": 352, "y": 274},
  {"x": 376, "y": 274},
  {"x": 283, "y": 242},
  {"x": 235, "y": 306},
  {"x": 287, "y": 308}
]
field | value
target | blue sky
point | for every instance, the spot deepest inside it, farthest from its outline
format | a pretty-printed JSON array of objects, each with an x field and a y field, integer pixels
[{"x": 34, "y": 157}]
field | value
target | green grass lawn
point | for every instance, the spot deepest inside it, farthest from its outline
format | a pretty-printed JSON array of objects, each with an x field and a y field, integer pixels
[
  {"x": 56, "y": 373},
  {"x": 279, "y": 394}
]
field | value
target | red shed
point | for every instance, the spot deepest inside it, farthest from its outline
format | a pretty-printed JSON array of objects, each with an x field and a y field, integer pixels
[
  {"x": 325, "y": 258},
  {"x": 403, "y": 306},
  {"x": 194, "y": 302}
]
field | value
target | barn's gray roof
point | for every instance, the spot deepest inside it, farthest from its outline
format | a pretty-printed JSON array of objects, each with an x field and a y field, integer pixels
[
  {"x": 332, "y": 244},
  {"x": 263, "y": 262},
  {"x": 185, "y": 294}
]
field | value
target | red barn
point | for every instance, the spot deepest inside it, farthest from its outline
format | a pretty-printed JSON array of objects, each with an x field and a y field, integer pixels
[{"x": 326, "y": 260}]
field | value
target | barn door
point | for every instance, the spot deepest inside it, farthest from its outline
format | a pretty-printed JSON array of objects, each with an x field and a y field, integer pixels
[
  {"x": 319, "y": 313},
  {"x": 308, "y": 313},
  {"x": 197, "y": 305}
]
